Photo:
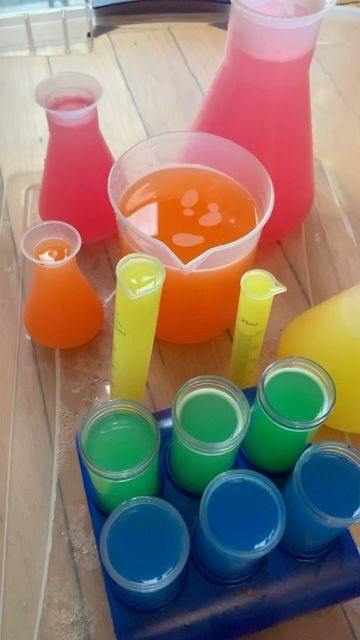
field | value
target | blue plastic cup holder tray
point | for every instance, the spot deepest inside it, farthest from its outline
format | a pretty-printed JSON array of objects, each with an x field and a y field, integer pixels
[{"x": 281, "y": 589}]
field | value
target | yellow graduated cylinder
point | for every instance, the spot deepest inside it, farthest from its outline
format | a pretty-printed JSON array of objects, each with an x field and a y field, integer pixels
[
  {"x": 329, "y": 333},
  {"x": 139, "y": 282},
  {"x": 257, "y": 291}
]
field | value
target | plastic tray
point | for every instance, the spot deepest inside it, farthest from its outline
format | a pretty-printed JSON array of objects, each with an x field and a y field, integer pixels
[{"x": 281, "y": 589}]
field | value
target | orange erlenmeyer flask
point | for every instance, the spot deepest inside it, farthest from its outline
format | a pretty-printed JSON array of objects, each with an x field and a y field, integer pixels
[
  {"x": 329, "y": 333},
  {"x": 61, "y": 309}
]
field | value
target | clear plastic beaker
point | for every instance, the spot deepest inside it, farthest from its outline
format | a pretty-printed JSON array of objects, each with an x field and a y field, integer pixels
[
  {"x": 61, "y": 308},
  {"x": 241, "y": 519},
  {"x": 210, "y": 419},
  {"x": 78, "y": 161},
  {"x": 200, "y": 295},
  {"x": 260, "y": 98},
  {"x": 119, "y": 444},
  {"x": 294, "y": 398},
  {"x": 144, "y": 548}
]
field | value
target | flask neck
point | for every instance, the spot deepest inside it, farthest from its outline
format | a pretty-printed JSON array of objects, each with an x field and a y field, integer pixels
[
  {"x": 69, "y": 99},
  {"x": 53, "y": 273},
  {"x": 69, "y": 121},
  {"x": 270, "y": 37}
]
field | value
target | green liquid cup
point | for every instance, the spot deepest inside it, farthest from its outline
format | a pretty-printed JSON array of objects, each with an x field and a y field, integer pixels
[
  {"x": 119, "y": 445},
  {"x": 294, "y": 397},
  {"x": 210, "y": 417}
]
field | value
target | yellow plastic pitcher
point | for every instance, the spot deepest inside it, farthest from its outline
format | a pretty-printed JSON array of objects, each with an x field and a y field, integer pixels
[{"x": 329, "y": 333}]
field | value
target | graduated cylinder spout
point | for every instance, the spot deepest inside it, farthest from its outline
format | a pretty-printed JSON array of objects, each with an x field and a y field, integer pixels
[{"x": 258, "y": 288}]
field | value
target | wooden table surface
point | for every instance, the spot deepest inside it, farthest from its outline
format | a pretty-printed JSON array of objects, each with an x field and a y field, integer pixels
[{"x": 154, "y": 77}]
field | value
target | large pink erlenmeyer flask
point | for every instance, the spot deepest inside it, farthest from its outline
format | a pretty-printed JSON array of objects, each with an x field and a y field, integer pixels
[
  {"x": 78, "y": 161},
  {"x": 260, "y": 98}
]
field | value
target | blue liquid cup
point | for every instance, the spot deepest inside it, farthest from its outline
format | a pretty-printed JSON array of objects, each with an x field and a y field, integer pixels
[
  {"x": 322, "y": 499},
  {"x": 241, "y": 519},
  {"x": 144, "y": 547}
]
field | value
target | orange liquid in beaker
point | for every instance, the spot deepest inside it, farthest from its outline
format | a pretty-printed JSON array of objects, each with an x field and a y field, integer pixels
[
  {"x": 193, "y": 209},
  {"x": 61, "y": 310}
]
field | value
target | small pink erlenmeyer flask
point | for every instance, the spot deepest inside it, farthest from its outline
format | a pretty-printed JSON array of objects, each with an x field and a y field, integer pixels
[
  {"x": 78, "y": 161},
  {"x": 260, "y": 98}
]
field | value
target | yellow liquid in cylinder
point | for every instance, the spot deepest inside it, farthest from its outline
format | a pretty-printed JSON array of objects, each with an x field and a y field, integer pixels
[
  {"x": 329, "y": 333},
  {"x": 138, "y": 291}
]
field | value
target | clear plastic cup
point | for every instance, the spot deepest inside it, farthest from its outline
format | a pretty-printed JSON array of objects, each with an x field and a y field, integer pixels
[
  {"x": 241, "y": 519},
  {"x": 119, "y": 445},
  {"x": 210, "y": 417},
  {"x": 144, "y": 548},
  {"x": 294, "y": 398},
  {"x": 322, "y": 498}
]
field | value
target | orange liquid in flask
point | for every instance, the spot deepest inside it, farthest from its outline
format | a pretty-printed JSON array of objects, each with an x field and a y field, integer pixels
[
  {"x": 51, "y": 251},
  {"x": 62, "y": 310},
  {"x": 193, "y": 209}
]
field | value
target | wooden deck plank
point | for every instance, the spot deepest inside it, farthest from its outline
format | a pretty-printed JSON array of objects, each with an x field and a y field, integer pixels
[
  {"x": 33, "y": 454},
  {"x": 23, "y": 131},
  {"x": 326, "y": 623},
  {"x": 119, "y": 119},
  {"x": 203, "y": 47},
  {"x": 27, "y": 586},
  {"x": 21, "y": 141},
  {"x": 166, "y": 94},
  {"x": 153, "y": 80}
]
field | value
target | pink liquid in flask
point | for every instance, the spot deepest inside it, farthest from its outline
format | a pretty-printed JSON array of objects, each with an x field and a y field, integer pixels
[
  {"x": 260, "y": 98},
  {"x": 78, "y": 161}
]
